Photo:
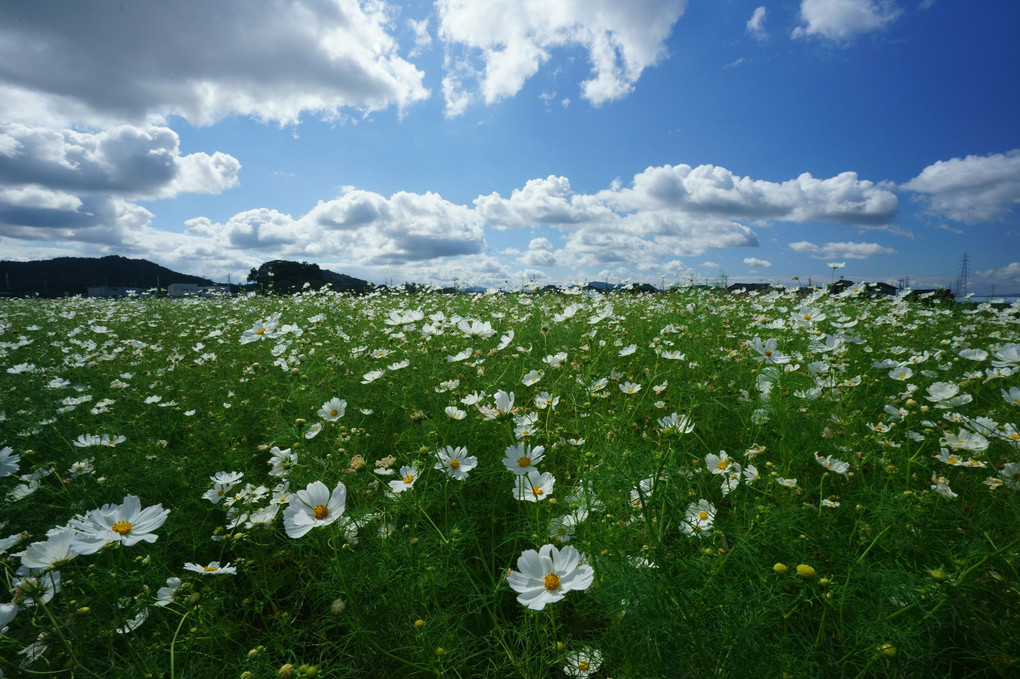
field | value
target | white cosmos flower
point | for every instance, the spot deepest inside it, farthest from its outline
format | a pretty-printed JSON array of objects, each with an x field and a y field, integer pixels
[
  {"x": 522, "y": 458},
  {"x": 455, "y": 413},
  {"x": 313, "y": 507},
  {"x": 476, "y": 329},
  {"x": 52, "y": 553},
  {"x": 455, "y": 462},
  {"x": 767, "y": 352},
  {"x": 333, "y": 409},
  {"x": 836, "y": 466},
  {"x": 699, "y": 518},
  {"x": 965, "y": 440},
  {"x": 165, "y": 595},
  {"x": 535, "y": 486},
  {"x": 214, "y": 568},
  {"x": 8, "y": 461},
  {"x": 372, "y": 376},
  {"x": 532, "y": 378},
  {"x": 630, "y": 388},
  {"x": 1012, "y": 396},
  {"x": 461, "y": 356},
  {"x": 675, "y": 424},
  {"x": 126, "y": 523},
  {"x": 545, "y": 576},
  {"x": 408, "y": 475}
]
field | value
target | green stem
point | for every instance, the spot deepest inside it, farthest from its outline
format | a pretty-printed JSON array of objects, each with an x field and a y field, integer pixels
[{"x": 173, "y": 643}]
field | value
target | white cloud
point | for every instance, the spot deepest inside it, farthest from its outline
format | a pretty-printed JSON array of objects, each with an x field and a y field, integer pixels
[
  {"x": 712, "y": 190},
  {"x": 547, "y": 201},
  {"x": 972, "y": 189},
  {"x": 94, "y": 63},
  {"x": 756, "y": 24},
  {"x": 540, "y": 253},
  {"x": 502, "y": 43},
  {"x": 360, "y": 227},
  {"x": 64, "y": 184},
  {"x": 844, "y": 250},
  {"x": 422, "y": 37},
  {"x": 758, "y": 263},
  {"x": 1009, "y": 274},
  {"x": 129, "y": 161},
  {"x": 843, "y": 20}
]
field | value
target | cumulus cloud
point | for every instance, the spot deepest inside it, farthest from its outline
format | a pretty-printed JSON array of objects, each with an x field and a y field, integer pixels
[
  {"x": 972, "y": 189},
  {"x": 502, "y": 43},
  {"x": 1009, "y": 274},
  {"x": 360, "y": 226},
  {"x": 843, "y": 20},
  {"x": 201, "y": 60},
  {"x": 757, "y": 263},
  {"x": 756, "y": 24},
  {"x": 136, "y": 162},
  {"x": 678, "y": 211},
  {"x": 540, "y": 253},
  {"x": 63, "y": 183},
  {"x": 548, "y": 201},
  {"x": 712, "y": 190},
  {"x": 845, "y": 250}
]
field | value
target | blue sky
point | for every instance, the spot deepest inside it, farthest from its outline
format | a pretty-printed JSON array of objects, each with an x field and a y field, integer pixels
[{"x": 483, "y": 141}]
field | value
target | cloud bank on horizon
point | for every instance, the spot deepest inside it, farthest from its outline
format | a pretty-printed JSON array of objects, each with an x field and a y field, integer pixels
[{"x": 541, "y": 99}]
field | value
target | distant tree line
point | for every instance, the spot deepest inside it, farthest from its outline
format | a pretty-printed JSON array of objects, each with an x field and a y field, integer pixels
[{"x": 64, "y": 276}]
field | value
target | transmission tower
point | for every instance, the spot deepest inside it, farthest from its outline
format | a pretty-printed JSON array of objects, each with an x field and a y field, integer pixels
[{"x": 961, "y": 279}]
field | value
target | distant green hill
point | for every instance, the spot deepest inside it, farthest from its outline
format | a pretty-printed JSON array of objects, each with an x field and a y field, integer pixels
[
  {"x": 283, "y": 276},
  {"x": 74, "y": 275}
]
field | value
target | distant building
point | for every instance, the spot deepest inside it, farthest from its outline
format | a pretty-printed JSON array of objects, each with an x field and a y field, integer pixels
[
  {"x": 747, "y": 288},
  {"x": 112, "y": 291},
  {"x": 193, "y": 290}
]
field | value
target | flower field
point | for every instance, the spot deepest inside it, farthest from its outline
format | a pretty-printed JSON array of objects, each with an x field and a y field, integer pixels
[{"x": 563, "y": 484}]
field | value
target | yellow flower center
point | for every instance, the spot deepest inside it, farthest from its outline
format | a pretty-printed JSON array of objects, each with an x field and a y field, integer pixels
[
  {"x": 807, "y": 317},
  {"x": 260, "y": 331},
  {"x": 210, "y": 569},
  {"x": 409, "y": 478},
  {"x": 768, "y": 352},
  {"x": 122, "y": 527},
  {"x": 722, "y": 464},
  {"x": 703, "y": 515},
  {"x": 551, "y": 582},
  {"x": 455, "y": 463},
  {"x": 320, "y": 512},
  {"x": 1015, "y": 436},
  {"x": 583, "y": 665},
  {"x": 334, "y": 413},
  {"x": 524, "y": 461},
  {"x": 536, "y": 491}
]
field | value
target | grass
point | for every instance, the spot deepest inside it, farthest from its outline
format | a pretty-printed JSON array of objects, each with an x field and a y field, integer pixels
[{"x": 913, "y": 561}]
